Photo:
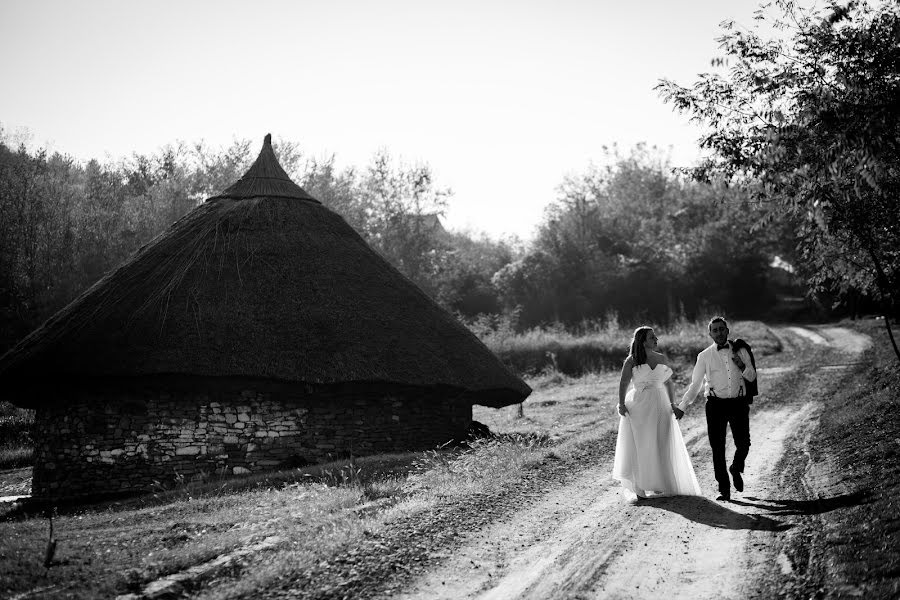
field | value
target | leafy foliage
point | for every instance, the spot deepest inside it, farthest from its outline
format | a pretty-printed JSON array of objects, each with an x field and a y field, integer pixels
[
  {"x": 635, "y": 239},
  {"x": 808, "y": 122}
]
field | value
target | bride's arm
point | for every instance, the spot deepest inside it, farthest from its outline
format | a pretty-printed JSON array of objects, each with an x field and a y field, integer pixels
[
  {"x": 670, "y": 388},
  {"x": 624, "y": 380}
]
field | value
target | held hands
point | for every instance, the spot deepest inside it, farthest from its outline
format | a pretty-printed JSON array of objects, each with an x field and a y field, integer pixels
[
  {"x": 622, "y": 410},
  {"x": 678, "y": 412}
]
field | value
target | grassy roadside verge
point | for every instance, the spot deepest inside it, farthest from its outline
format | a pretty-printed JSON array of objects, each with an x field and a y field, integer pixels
[
  {"x": 321, "y": 517},
  {"x": 597, "y": 348},
  {"x": 848, "y": 537}
]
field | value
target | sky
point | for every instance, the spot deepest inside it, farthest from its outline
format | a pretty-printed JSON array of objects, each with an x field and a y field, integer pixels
[{"x": 502, "y": 99}]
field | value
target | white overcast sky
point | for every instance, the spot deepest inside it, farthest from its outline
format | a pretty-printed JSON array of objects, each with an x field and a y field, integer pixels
[{"x": 501, "y": 98}]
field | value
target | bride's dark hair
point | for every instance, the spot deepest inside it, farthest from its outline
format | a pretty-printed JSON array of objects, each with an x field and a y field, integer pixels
[{"x": 637, "y": 350}]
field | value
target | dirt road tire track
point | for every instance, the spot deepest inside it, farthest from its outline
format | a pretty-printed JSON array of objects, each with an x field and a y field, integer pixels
[
  {"x": 585, "y": 540},
  {"x": 386, "y": 562}
]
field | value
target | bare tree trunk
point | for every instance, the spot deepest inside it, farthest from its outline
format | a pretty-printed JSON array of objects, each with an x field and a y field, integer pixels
[
  {"x": 887, "y": 324},
  {"x": 888, "y": 292}
]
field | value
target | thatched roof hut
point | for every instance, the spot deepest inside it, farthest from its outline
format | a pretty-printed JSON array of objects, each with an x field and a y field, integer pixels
[
  {"x": 259, "y": 331},
  {"x": 260, "y": 281}
]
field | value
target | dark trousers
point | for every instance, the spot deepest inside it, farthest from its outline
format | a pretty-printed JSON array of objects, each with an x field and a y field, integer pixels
[{"x": 720, "y": 413}]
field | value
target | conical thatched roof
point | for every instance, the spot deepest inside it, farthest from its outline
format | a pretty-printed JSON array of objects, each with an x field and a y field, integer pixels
[
  {"x": 261, "y": 281},
  {"x": 265, "y": 179}
]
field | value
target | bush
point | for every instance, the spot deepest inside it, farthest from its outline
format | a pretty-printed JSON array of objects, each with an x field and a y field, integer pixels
[{"x": 17, "y": 445}]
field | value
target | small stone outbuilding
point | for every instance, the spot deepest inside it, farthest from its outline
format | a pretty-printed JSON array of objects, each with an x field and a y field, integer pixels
[{"x": 259, "y": 331}]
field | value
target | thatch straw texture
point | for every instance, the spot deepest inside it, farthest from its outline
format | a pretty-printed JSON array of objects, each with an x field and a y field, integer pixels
[
  {"x": 265, "y": 178},
  {"x": 260, "y": 286}
]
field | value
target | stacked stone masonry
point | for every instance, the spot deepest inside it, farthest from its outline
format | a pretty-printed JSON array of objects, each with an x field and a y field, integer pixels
[{"x": 108, "y": 442}]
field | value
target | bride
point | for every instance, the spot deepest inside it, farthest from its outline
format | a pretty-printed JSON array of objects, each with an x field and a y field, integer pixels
[{"x": 651, "y": 458}]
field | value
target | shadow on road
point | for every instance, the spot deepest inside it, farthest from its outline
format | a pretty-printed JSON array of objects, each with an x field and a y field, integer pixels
[
  {"x": 715, "y": 514},
  {"x": 806, "y": 507}
]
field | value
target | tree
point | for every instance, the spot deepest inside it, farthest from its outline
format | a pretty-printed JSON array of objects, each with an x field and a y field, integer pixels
[
  {"x": 634, "y": 238},
  {"x": 402, "y": 205},
  {"x": 336, "y": 190},
  {"x": 809, "y": 122},
  {"x": 530, "y": 286},
  {"x": 464, "y": 283}
]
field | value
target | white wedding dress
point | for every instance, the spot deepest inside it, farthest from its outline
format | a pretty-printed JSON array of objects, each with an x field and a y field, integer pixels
[{"x": 651, "y": 458}]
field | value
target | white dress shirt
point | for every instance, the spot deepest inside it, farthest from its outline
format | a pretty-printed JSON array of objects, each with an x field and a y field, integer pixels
[{"x": 718, "y": 374}]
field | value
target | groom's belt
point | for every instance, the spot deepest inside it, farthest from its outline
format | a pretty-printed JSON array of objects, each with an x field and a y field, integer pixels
[{"x": 708, "y": 398}]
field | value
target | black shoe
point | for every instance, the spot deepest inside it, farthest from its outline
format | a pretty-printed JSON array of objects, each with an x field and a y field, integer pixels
[
  {"x": 738, "y": 480},
  {"x": 724, "y": 496}
]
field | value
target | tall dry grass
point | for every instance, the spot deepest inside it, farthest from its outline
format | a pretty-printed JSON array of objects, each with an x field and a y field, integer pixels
[
  {"x": 596, "y": 346},
  {"x": 16, "y": 444}
]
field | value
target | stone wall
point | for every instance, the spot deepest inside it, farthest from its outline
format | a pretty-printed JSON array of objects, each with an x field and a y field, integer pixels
[{"x": 143, "y": 439}]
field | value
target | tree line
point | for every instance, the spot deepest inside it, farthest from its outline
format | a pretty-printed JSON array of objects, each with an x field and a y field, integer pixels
[
  {"x": 631, "y": 238},
  {"x": 636, "y": 239}
]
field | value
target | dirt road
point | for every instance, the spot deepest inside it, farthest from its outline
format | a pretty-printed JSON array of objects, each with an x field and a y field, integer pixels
[{"x": 586, "y": 540}]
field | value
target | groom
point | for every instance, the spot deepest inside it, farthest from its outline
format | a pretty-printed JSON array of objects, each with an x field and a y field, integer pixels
[{"x": 722, "y": 370}]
